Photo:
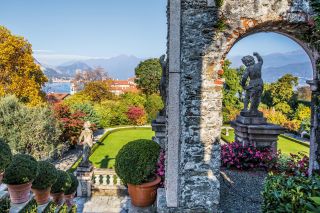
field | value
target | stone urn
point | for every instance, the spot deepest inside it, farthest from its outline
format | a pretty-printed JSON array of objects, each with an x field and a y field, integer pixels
[
  {"x": 19, "y": 193},
  {"x": 58, "y": 198},
  {"x": 41, "y": 196},
  {"x": 145, "y": 194}
]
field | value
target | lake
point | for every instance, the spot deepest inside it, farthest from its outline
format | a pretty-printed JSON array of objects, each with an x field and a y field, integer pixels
[{"x": 57, "y": 87}]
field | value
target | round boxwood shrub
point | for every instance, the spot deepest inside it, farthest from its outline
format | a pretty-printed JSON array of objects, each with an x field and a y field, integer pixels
[
  {"x": 5, "y": 155},
  {"x": 22, "y": 169},
  {"x": 63, "y": 182},
  {"x": 136, "y": 161},
  {"x": 74, "y": 185},
  {"x": 47, "y": 176}
]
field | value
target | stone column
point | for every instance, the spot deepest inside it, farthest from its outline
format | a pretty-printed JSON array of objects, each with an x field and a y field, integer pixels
[
  {"x": 159, "y": 127},
  {"x": 84, "y": 176}
]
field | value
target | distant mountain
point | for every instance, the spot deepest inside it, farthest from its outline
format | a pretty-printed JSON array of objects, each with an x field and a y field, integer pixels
[
  {"x": 278, "y": 64},
  {"x": 70, "y": 70},
  {"x": 119, "y": 67},
  {"x": 301, "y": 70},
  {"x": 276, "y": 59}
]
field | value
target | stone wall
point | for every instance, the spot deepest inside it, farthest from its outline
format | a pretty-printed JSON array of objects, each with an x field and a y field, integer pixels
[{"x": 198, "y": 44}]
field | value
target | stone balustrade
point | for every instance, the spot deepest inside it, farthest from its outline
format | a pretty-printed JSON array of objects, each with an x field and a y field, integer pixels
[{"x": 106, "y": 182}]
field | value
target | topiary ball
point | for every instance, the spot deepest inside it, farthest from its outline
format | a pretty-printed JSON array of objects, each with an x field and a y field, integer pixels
[
  {"x": 47, "y": 176},
  {"x": 22, "y": 169},
  {"x": 5, "y": 155},
  {"x": 136, "y": 161},
  {"x": 74, "y": 185},
  {"x": 63, "y": 182}
]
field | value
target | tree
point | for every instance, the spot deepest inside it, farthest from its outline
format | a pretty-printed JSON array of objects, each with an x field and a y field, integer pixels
[
  {"x": 232, "y": 91},
  {"x": 148, "y": 75},
  {"x": 304, "y": 93},
  {"x": 98, "y": 74},
  {"x": 97, "y": 91},
  {"x": 29, "y": 130},
  {"x": 153, "y": 105},
  {"x": 137, "y": 115},
  {"x": 19, "y": 74}
]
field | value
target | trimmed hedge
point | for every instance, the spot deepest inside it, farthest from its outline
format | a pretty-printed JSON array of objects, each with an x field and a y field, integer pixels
[
  {"x": 136, "y": 161},
  {"x": 5, "y": 155},
  {"x": 63, "y": 182},
  {"x": 23, "y": 169},
  {"x": 74, "y": 185},
  {"x": 47, "y": 175}
]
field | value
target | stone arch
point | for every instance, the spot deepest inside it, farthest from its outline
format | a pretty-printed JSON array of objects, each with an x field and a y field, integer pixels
[{"x": 197, "y": 45}]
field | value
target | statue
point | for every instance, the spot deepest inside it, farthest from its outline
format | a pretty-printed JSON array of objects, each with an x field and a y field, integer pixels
[
  {"x": 86, "y": 139},
  {"x": 254, "y": 89},
  {"x": 163, "y": 82}
]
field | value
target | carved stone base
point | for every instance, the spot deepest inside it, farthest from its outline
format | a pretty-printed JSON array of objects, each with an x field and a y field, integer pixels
[
  {"x": 84, "y": 175},
  {"x": 255, "y": 131},
  {"x": 159, "y": 127}
]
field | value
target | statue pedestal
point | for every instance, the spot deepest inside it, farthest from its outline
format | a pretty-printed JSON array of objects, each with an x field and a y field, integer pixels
[
  {"x": 84, "y": 175},
  {"x": 256, "y": 131},
  {"x": 159, "y": 127}
]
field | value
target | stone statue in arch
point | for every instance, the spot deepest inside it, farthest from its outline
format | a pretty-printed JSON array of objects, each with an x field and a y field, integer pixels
[
  {"x": 163, "y": 82},
  {"x": 86, "y": 139},
  {"x": 254, "y": 89}
]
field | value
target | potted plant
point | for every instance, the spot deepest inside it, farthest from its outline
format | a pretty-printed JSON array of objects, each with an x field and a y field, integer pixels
[
  {"x": 60, "y": 186},
  {"x": 136, "y": 165},
  {"x": 41, "y": 186},
  {"x": 19, "y": 176},
  {"x": 71, "y": 191},
  {"x": 5, "y": 157}
]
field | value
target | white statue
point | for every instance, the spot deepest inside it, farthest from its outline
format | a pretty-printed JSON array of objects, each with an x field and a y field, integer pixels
[{"x": 86, "y": 139}]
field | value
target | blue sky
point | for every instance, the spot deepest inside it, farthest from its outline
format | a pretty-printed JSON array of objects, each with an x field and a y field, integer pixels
[{"x": 64, "y": 30}]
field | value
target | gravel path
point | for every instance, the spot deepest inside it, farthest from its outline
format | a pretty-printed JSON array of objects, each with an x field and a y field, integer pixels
[{"x": 241, "y": 191}]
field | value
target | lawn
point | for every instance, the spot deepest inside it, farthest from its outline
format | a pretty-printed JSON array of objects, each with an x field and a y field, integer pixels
[
  {"x": 104, "y": 156},
  {"x": 285, "y": 145}
]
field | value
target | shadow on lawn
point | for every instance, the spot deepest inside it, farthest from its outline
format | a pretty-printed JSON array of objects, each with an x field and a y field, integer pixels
[{"x": 104, "y": 163}]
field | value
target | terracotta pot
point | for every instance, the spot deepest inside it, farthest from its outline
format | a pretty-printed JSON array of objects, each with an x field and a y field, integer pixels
[
  {"x": 145, "y": 194},
  {"x": 41, "y": 195},
  {"x": 69, "y": 199},
  {"x": 57, "y": 198},
  {"x": 19, "y": 193},
  {"x": 1, "y": 177}
]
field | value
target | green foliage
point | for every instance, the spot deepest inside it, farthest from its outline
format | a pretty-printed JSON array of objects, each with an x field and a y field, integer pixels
[
  {"x": 148, "y": 75},
  {"x": 136, "y": 161},
  {"x": 280, "y": 91},
  {"x": 97, "y": 91},
  {"x": 5, "y": 155},
  {"x": 219, "y": 3},
  {"x": 78, "y": 98},
  {"x": 5, "y": 205},
  {"x": 63, "y": 182},
  {"x": 231, "y": 92},
  {"x": 22, "y": 169},
  {"x": 51, "y": 208},
  {"x": 133, "y": 99},
  {"x": 306, "y": 125},
  {"x": 47, "y": 175},
  {"x": 221, "y": 25},
  {"x": 32, "y": 207},
  {"x": 289, "y": 194},
  {"x": 28, "y": 130},
  {"x": 74, "y": 185},
  {"x": 315, "y": 206},
  {"x": 88, "y": 109},
  {"x": 302, "y": 112},
  {"x": 153, "y": 105}
]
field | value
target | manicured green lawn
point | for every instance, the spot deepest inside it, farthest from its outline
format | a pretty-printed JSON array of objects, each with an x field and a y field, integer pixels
[
  {"x": 286, "y": 146},
  {"x": 104, "y": 156}
]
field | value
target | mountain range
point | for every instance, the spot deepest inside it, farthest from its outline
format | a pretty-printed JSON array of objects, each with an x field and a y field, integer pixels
[
  {"x": 122, "y": 66},
  {"x": 119, "y": 67},
  {"x": 278, "y": 64}
]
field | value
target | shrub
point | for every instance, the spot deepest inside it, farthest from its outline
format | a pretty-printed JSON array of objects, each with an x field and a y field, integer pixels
[
  {"x": 88, "y": 109},
  {"x": 161, "y": 167},
  {"x": 5, "y": 155},
  {"x": 235, "y": 155},
  {"x": 74, "y": 185},
  {"x": 294, "y": 165},
  {"x": 136, "y": 161},
  {"x": 153, "y": 105},
  {"x": 137, "y": 115},
  {"x": 22, "y": 169},
  {"x": 47, "y": 176},
  {"x": 63, "y": 182},
  {"x": 284, "y": 193},
  {"x": 28, "y": 130}
]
